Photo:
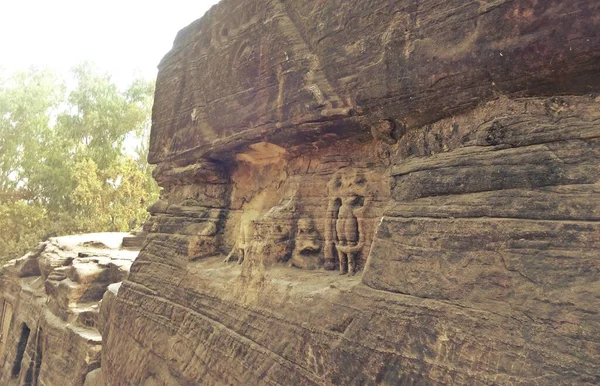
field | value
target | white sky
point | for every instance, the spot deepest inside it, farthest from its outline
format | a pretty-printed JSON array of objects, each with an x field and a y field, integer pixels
[{"x": 123, "y": 38}]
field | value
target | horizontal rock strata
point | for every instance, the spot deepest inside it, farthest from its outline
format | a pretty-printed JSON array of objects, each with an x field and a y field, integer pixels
[
  {"x": 49, "y": 308},
  {"x": 480, "y": 264},
  {"x": 442, "y": 156},
  {"x": 368, "y": 193}
]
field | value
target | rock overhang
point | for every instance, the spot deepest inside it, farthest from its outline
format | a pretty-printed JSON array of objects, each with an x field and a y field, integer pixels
[{"x": 251, "y": 71}]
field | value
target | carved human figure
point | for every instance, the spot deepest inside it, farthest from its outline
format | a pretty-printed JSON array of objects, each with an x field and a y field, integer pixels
[
  {"x": 307, "y": 245},
  {"x": 307, "y": 237},
  {"x": 239, "y": 250},
  {"x": 266, "y": 236},
  {"x": 348, "y": 229}
]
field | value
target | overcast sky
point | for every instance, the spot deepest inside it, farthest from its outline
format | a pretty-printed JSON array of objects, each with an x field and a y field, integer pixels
[{"x": 123, "y": 37}]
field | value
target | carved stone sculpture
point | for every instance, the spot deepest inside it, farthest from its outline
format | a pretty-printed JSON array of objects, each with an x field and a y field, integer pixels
[
  {"x": 269, "y": 238},
  {"x": 447, "y": 152},
  {"x": 308, "y": 245},
  {"x": 348, "y": 232},
  {"x": 345, "y": 237},
  {"x": 239, "y": 250}
]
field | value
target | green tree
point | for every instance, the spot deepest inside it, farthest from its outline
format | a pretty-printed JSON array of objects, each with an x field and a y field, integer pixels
[
  {"x": 72, "y": 162},
  {"x": 27, "y": 100},
  {"x": 23, "y": 226}
]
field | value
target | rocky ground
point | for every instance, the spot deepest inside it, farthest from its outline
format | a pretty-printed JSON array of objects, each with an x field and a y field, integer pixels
[{"x": 50, "y": 308}]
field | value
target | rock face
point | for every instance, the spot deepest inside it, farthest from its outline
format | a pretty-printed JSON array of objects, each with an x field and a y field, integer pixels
[
  {"x": 475, "y": 243},
  {"x": 442, "y": 156},
  {"x": 49, "y": 312}
]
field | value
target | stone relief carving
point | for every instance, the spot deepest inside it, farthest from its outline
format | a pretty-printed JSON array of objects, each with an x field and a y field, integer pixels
[
  {"x": 238, "y": 252},
  {"x": 344, "y": 233},
  {"x": 270, "y": 236},
  {"x": 349, "y": 238},
  {"x": 322, "y": 220},
  {"x": 308, "y": 245},
  {"x": 273, "y": 236}
]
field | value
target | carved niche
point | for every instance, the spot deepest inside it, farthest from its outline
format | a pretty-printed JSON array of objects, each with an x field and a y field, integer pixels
[{"x": 345, "y": 233}]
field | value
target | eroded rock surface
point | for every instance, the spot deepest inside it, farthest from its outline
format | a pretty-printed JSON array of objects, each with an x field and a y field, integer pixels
[
  {"x": 477, "y": 243},
  {"x": 442, "y": 156},
  {"x": 49, "y": 308}
]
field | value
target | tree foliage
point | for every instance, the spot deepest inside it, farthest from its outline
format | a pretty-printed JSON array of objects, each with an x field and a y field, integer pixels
[{"x": 72, "y": 155}]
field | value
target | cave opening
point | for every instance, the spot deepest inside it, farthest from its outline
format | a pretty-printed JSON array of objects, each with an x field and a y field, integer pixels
[
  {"x": 25, "y": 331},
  {"x": 33, "y": 372}
]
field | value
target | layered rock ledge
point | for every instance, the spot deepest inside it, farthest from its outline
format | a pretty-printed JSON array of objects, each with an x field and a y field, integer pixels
[
  {"x": 50, "y": 308},
  {"x": 370, "y": 192},
  {"x": 443, "y": 154}
]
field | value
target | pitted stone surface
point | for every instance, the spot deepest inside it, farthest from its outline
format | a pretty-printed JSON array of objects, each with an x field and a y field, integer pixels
[
  {"x": 49, "y": 308},
  {"x": 442, "y": 156},
  {"x": 362, "y": 192}
]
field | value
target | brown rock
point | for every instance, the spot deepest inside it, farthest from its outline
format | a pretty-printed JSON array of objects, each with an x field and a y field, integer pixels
[
  {"x": 443, "y": 156},
  {"x": 49, "y": 316},
  {"x": 251, "y": 71},
  {"x": 446, "y": 154}
]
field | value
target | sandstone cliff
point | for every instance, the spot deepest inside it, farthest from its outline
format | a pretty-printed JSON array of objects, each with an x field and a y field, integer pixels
[
  {"x": 447, "y": 152},
  {"x": 442, "y": 156},
  {"x": 49, "y": 308}
]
